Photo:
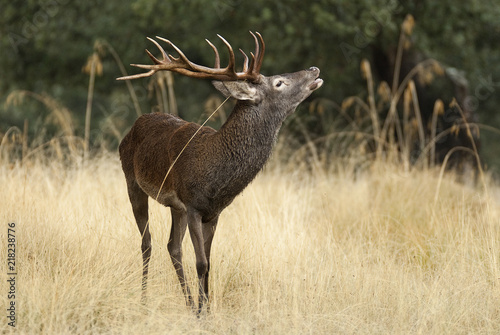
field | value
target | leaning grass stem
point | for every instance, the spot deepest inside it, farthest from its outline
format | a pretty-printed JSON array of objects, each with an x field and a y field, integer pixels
[
  {"x": 310, "y": 145},
  {"x": 124, "y": 73},
  {"x": 443, "y": 168},
  {"x": 162, "y": 84},
  {"x": 163, "y": 91},
  {"x": 186, "y": 145},
  {"x": 25, "y": 139},
  {"x": 399, "y": 57},
  {"x": 5, "y": 140},
  {"x": 418, "y": 116},
  {"x": 88, "y": 109},
  {"x": 473, "y": 143},
  {"x": 71, "y": 141},
  {"x": 392, "y": 120},
  {"x": 438, "y": 110},
  {"x": 171, "y": 94},
  {"x": 391, "y": 124},
  {"x": 391, "y": 115},
  {"x": 58, "y": 112},
  {"x": 371, "y": 101},
  {"x": 164, "y": 95},
  {"x": 408, "y": 129}
]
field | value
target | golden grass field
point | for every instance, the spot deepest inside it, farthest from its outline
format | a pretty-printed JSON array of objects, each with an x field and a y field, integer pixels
[{"x": 298, "y": 252}]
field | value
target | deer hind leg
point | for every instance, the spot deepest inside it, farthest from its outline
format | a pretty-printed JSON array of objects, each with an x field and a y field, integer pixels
[
  {"x": 139, "y": 201},
  {"x": 177, "y": 232}
]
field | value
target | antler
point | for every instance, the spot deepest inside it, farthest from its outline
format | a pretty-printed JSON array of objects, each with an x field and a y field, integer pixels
[{"x": 184, "y": 66}]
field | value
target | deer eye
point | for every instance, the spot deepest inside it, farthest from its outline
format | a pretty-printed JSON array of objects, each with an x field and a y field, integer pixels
[{"x": 279, "y": 83}]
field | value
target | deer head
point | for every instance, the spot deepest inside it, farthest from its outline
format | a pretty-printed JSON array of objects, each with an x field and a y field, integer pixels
[{"x": 248, "y": 85}]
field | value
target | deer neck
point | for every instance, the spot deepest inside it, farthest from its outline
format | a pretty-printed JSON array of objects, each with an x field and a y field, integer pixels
[
  {"x": 244, "y": 143},
  {"x": 250, "y": 132}
]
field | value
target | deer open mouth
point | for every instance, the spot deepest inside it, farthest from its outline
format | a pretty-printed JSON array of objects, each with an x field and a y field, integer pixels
[{"x": 316, "y": 84}]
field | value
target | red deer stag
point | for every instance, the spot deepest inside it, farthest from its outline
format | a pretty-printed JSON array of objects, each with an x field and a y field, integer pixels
[{"x": 206, "y": 175}]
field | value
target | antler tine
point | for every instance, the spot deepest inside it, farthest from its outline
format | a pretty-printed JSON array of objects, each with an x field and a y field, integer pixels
[
  {"x": 245, "y": 63},
  {"x": 259, "y": 54},
  {"x": 252, "y": 62},
  {"x": 231, "y": 64},
  {"x": 186, "y": 61},
  {"x": 137, "y": 76},
  {"x": 153, "y": 58},
  {"x": 148, "y": 67},
  {"x": 217, "y": 58}
]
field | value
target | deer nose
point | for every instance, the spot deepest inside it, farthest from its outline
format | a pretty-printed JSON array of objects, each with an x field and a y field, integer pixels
[{"x": 313, "y": 68}]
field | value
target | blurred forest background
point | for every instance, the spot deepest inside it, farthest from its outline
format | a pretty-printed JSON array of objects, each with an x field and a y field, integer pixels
[{"x": 54, "y": 51}]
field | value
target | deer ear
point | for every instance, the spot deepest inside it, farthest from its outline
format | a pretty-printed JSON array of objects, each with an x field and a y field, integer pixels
[{"x": 239, "y": 90}]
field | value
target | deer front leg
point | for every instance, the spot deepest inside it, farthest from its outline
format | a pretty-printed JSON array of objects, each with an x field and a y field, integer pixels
[
  {"x": 196, "y": 232},
  {"x": 177, "y": 232},
  {"x": 208, "y": 236}
]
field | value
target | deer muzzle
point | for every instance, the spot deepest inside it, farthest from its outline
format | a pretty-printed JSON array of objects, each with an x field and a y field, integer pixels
[{"x": 317, "y": 81}]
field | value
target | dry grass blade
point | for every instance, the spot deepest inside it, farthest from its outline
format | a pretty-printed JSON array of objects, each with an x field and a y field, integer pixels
[
  {"x": 58, "y": 113},
  {"x": 418, "y": 116},
  {"x": 454, "y": 104},
  {"x": 438, "y": 110},
  {"x": 365, "y": 65},
  {"x": 329, "y": 253}
]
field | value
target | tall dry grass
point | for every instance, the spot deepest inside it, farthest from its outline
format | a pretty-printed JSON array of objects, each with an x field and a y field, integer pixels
[{"x": 298, "y": 252}]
